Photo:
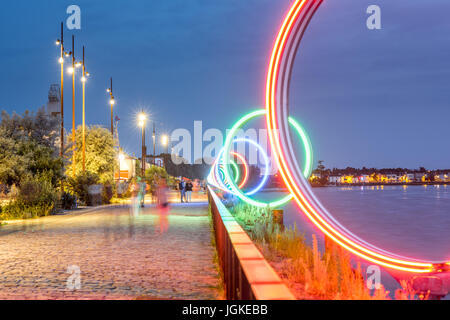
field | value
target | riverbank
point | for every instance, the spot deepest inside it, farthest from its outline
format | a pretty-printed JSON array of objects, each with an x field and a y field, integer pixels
[{"x": 309, "y": 273}]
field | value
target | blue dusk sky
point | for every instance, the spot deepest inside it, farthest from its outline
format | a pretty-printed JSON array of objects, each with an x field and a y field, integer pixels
[{"x": 374, "y": 98}]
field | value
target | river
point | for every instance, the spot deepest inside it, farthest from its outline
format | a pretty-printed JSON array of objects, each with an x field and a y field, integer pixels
[{"x": 413, "y": 221}]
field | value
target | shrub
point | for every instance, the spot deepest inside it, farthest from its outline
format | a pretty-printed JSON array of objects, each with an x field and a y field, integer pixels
[
  {"x": 107, "y": 194},
  {"x": 327, "y": 275},
  {"x": 19, "y": 210},
  {"x": 68, "y": 201},
  {"x": 36, "y": 197},
  {"x": 80, "y": 184}
]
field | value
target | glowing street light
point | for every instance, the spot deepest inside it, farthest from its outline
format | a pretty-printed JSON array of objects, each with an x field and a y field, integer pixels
[
  {"x": 165, "y": 142},
  {"x": 60, "y": 42},
  {"x": 112, "y": 102},
  {"x": 71, "y": 70},
  {"x": 83, "y": 80},
  {"x": 142, "y": 118}
]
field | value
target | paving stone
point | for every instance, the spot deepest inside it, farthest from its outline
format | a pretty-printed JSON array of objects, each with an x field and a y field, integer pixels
[{"x": 119, "y": 256}]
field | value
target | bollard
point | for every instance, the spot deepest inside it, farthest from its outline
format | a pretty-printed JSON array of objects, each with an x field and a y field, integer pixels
[{"x": 277, "y": 218}]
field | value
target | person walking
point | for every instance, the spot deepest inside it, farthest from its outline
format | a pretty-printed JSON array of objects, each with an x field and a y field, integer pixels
[
  {"x": 188, "y": 188},
  {"x": 181, "y": 187},
  {"x": 162, "y": 205}
]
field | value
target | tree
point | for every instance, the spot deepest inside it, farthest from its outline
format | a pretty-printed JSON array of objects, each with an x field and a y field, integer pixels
[
  {"x": 100, "y": 154},
  {"x": 153, "y": 175},
  {"x": 28, "y": 144}
]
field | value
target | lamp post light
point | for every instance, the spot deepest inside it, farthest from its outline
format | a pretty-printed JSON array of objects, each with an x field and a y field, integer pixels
[
  {"x": 60, "y": 43},
  {"x": 154, "y": 143},
  {"x": 111, "y": 102},
  {"x": 85, "y": 74},
  {"x": 71, "y": 71},
  {"x": 165, "y": 143},
  {"x": 142, "y": 118}
]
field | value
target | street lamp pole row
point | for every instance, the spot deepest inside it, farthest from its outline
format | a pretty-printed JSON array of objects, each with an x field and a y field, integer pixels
[{"x": 71, "y": 71}]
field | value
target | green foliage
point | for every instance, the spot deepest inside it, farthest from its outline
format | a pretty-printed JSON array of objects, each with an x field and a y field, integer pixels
[
  {"x": 80, "y": 184},
  {"x": 68, "y": 201},
  {"x": 107, "y": 194},
  {"x": 100, "y": 154},
  {"x": 36, "y": 198},
  {"x": 28, "y": 144},
  {"x": 153, "y": 175},
  {"x": 327, "y": 275}
]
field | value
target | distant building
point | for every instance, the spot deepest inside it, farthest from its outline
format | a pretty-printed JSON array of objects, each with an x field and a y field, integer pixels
[
  {"x": 334, "y": 179},
  {"x": 392, "y": 178},
  {"x": 420, "y": 177},
  {"x": 54, "y": 100},
  {"x": 127, "y": 166}
]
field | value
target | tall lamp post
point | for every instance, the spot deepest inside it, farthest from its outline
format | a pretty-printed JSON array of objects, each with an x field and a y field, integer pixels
[
  {"x": 60, "y": 42},
  {"x": 142, "y": 118},
  {"x": 83, "y": 80},
  {"x": 111, "y": 102},
  {"x": 72, "y": 71},
  {"x": 154, "y": 143}
]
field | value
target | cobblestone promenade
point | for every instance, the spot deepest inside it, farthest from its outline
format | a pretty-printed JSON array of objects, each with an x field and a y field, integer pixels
[{"x": 118, "y": 256}]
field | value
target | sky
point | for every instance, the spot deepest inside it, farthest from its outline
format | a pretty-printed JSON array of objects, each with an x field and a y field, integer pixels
[{"x": 374, "y": 98}]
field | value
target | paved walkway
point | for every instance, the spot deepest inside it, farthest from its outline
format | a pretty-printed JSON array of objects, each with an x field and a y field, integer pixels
[{"x": 119, "y": 256}]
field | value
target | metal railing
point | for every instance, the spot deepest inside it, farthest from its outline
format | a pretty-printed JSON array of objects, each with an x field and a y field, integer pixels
[{"x": 247, "y": 275}]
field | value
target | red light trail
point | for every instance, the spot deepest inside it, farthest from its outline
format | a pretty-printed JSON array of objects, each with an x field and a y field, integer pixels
[{"x": 277, "y": 92}]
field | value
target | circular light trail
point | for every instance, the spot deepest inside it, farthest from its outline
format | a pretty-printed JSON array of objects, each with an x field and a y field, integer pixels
[
  {"x": 227, "y": 147},
  {"x": 244, "y": 163},
  {"x": 277, "y": 92},
  {"x": 217, "y": 175}
]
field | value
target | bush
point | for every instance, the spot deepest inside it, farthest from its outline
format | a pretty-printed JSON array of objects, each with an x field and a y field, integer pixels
[
  {"x": 37, "y": 190},
  {"x": 68, "y": 201},
  {"x": 36, "y": 197},
  {"x": 80, "y": 184},
  {"x": 107, "y": 194},
  {"x": 19, "y": 210},
  {"x": 153, "y": 175}
]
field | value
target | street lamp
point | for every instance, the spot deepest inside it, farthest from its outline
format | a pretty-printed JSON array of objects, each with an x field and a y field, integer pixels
[
  {"x": 142, "y": 118},
  {"x": 154, "y": 143},
  {"x": 111, "y": 102},
  {"x": 83, "y": 80},
  {"x": 165, "y": 142},
  {"x": 60, "y": 42},
  {"x": 71, "y": 70}
]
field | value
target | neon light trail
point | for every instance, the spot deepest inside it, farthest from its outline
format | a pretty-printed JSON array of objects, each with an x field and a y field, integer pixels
[
  {"x": 278, "y": 77},
  {"x": 225, "y": 182},
  {"x": 278, "y": 121}
]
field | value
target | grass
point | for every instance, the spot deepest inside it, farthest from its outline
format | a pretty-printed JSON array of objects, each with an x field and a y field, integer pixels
[
  {"x": 310, "y": 273},
  {"x": 18, "y": 210}
]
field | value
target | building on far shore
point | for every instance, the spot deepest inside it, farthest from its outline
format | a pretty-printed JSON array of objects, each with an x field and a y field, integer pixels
[{"x": 385, "y": 177}]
